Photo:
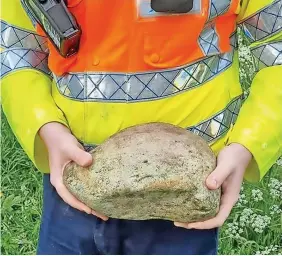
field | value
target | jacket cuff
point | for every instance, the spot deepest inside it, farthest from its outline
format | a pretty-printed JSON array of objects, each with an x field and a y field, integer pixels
[
  {"x": 265, "y": 153},
  {"x": 258, "y": 126}
]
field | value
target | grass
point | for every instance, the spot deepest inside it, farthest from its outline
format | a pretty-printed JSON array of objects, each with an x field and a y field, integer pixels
[
  {"x": 21, "y": 204},
  {"x": 21, "y": 197}
]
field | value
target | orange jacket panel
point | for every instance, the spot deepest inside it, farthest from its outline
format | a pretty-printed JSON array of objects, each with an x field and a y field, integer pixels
[{"x": 116, "y": 38}]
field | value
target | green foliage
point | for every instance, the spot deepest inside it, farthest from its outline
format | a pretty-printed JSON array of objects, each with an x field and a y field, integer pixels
[
  {"x": 21, "y": 197},
  {"x": 255, "y": 224},
  {"x": 246, "y": 231}
]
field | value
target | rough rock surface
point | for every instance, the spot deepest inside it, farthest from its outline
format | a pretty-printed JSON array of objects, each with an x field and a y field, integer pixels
[{"x": 151, "y": 171}]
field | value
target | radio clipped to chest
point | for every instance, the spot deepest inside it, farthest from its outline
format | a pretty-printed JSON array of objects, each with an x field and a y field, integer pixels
[
  {"x": 62, "y": 29},
  {"x": 58, "y": 24}
]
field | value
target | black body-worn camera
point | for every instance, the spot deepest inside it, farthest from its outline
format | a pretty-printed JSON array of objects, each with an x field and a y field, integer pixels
[{"x": 58, "y": 23}]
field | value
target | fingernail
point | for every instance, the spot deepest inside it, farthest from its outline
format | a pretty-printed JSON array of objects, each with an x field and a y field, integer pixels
[
  {"x": 213, "y": 182},
  {"x": 177, "y": 224}
]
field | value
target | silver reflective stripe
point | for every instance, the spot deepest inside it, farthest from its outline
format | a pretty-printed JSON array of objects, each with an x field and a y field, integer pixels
[
  {"x": 145, "y": 11},
  {"x": 12, "y": 37},
  {"x": 264, "y": 23},
  {"x": 218, "y": 7},
  {"x": 133, "y": 87},
  {"x": 211, "y": 129},
  {"x": 14, "y": 59},
  {"x": 209, "y": 40},
  {"x": 267, "y": 55},
  {"x": 218, "y": 125}
]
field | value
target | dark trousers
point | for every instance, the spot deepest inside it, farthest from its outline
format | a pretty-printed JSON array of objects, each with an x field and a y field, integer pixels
[{"x": 65, "y": 230}]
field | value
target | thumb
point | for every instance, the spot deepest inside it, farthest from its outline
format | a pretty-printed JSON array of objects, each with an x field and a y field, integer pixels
[
  {"x": 81, "y": 157},
  {"x": 218, "y": 176}
]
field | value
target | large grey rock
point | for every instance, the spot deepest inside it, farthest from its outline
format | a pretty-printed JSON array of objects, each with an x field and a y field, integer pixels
[{"x": 151, "y": 171}]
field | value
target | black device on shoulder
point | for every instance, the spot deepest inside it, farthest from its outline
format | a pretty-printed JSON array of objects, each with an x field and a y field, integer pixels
[
  {"x": 58, "y": 23},
  {"x": 172, "y": 6}
]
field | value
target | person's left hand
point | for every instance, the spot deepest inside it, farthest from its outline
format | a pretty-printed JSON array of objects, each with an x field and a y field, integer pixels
[{"x": 232, "y": 162}]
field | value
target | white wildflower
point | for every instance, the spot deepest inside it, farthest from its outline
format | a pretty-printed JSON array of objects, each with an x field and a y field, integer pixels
[
  {"x": 268, "y": 250},
  {"x": 245, "y": 217},
  {"x": 275, "y": 187},
  {"x": 260, "y": 222},
  {"x": 275, "y": 209},
  {"x": 248, "y": 66},
  {"x": 279, "y": 161},
  {"x": 233, "y": 230},
  {"x": 257, "y": 195},
  {"x": 242, "y": 200},
  {"x": 245, "y": 54},
  {"x": 273, "y": 247},
  {"x": 257, "y": 230},
  {"x": 257, "y": 222}
]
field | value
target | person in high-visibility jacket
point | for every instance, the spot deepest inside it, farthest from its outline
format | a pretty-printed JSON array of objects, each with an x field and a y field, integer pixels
[{"x": 136, "y": 66}]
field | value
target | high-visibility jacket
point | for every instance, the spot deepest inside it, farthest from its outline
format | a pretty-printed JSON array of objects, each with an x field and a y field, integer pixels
[{"x": 136, "y": 66}]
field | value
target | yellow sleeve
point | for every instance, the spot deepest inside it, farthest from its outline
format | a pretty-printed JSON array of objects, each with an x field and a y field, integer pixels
[
  {"x": 259, "y": 124},
  {"x": 25, "y": 81}
]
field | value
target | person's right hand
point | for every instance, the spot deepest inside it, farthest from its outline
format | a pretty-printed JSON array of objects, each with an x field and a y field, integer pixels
[{"x": 63, "y": 148}]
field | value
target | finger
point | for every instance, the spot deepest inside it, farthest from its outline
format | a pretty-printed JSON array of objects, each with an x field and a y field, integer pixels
[
  {"x": 227, "y": 203},
  {"x": 70, "y": 199},
  {"x": 81, "y": 157},
  {"x": 99, "y": 215},
  {"x": 56, "y": 181},
  {"x": 218, "y": 176},
  {"x": 208, "y": 224},
  {"x": 55, "y": 171}
]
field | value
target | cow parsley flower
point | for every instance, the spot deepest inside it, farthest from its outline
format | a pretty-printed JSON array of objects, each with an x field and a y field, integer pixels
[
  {"x": 233, "y": 230},
  {"x": 242, "y": 200},
  {"x": 257, "y": 222},
  {"x": 245, "y": 217},
  {"x": 268, "y": 250},
  {"x": 260, "y": 222},
  {"x": 247, "y": 64},
  {"x": 275, "y": 188},
  {"x": 275, "y": 209},
  {"x": 257, "y": 195}
]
